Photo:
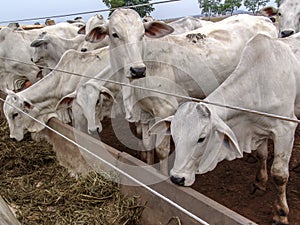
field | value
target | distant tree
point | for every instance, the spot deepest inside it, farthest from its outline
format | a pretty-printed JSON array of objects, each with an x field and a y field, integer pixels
[
  {"x": 143, "y": 10},
  {"x": 209, "y": 7},
  {"x": 231, "y": 5},
  {"x": 278, "y": 2},
  {"x": 255, "y": 5}
]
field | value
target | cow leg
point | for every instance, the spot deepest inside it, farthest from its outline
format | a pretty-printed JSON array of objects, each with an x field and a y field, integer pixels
[
  {"x": 262, "y": 173},
  {"x": 280, "y": 173},
  {"x": 162, "y": 150},
  {"x": 147, "y": 153}
]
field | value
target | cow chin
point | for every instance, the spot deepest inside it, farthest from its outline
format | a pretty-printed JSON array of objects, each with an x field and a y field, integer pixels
[{"x": 182, "y": 179}]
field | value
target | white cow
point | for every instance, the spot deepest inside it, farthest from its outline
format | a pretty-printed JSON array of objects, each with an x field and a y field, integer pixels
[
  {"x": 94, "y": 21},
  {"x": 288, "y": 15},
  {"x": 15, "y": 45},
  {"x": 91, "y": 102},
  {"x": 15, "y": 26},
  {"x": 48, "y": 48},
  {"x": 78, "y": 21},
  {"x": 187, "y": 24},
  {"x": 205, "y": 56},
  {"x": 41, "y": 98},
  {"x": 205, "y": 134},
  {"x": 182, "y": 25}
]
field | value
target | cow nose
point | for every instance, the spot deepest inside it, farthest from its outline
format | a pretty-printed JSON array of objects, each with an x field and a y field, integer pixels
[
  {"x": 94, "y": 131},
  {"x": 178, "y": 180},
  {"x": 286, "y": 33},
  {"x": 137, "y": 72},
  {"x": 84, "y": 50}
]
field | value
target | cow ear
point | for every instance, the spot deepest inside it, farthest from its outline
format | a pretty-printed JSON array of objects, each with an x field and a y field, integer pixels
[
  {"x": 223, "y": 131},
  {"x": 157, "y": 29},
  {"x": 38, "y": 42},
  {"x": 82, "y": 30},
  {"x": 107, "y": 93},
  {"x": 162, "y": 127},
  {"x": 66, "y": 101},
  {"x": 222, "y": 144},
  {"x": 268, "y": 11},
  {"x": 229, "y": 140},
  {"x": 97, "y": 34}
]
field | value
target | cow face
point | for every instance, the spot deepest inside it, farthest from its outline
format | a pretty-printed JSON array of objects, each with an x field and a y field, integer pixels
[
  {"x": 94, "y": 21},
  {"x": 201, "y": 140},
  {"x": 17, "y": 120},
  {"x": 289, "y": 17},
  {"x": 126, "y": 32},
  {"x": 86, "y": 103},
  {"x": 40, "y": 46}
]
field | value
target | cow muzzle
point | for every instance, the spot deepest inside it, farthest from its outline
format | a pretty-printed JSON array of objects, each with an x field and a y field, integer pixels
[
  {"x": 178, "y": 180},
  {"x": 182, "y": 178},
  {"x": 137, "y": 72}
]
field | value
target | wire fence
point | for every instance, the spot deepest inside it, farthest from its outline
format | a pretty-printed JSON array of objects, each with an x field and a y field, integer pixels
[
  {"x": 85, "y": 149},
  {"x": 114, "y": 167},
  {"x": 188, "y": 98},
  {"x": 84, "y": 13}
]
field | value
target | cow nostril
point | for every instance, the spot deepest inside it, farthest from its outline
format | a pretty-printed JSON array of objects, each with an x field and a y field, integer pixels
[
  {"x": 31, "y": 59},
  {"x": 83, "y": 50},
  {"x": 178, "y": 180},
  {"x": 287, "y": 33},
  {"x": 138, "y": 72}
]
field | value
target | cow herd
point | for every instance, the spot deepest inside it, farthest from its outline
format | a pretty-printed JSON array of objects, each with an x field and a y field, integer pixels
[{"x": 92, "y": 71}]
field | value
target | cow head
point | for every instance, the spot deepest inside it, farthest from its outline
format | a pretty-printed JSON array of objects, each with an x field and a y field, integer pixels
[
  {"x": 40, "y": 45},
  {"x": 86, "y": 103},
  {"x": 47, "y": 50},
  {"x": 126, "y": 32},
  {"x": 201, "y": 140},
  {"x": 94, "y": 21},
  {"x": 288, "y": 15},
  {"x": 18, "y": 122}
]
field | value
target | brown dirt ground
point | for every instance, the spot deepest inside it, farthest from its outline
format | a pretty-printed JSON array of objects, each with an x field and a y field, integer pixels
[{"x": 230, "y": 184}]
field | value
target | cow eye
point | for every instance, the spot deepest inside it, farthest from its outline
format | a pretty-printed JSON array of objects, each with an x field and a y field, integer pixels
[
  {"x": 200, "y": 140},
  {"x": 14, "y": 115},
  {"x": 279, "y": 14},
  {"x": 115, "y": 35}
]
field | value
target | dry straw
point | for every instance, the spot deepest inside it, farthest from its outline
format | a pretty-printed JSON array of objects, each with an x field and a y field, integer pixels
[{"x": 43, "y": 192}]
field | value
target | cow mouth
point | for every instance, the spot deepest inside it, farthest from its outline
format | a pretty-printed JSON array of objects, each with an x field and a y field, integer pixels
[{"x": 135, "y": 77}]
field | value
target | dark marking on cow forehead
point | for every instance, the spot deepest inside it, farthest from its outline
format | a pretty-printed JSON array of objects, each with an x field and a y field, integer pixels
[{"x": 195, "y": 37}]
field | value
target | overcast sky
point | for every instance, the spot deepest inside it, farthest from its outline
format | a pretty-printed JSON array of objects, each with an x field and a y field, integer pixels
[{"x": 16, "y": 9}]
